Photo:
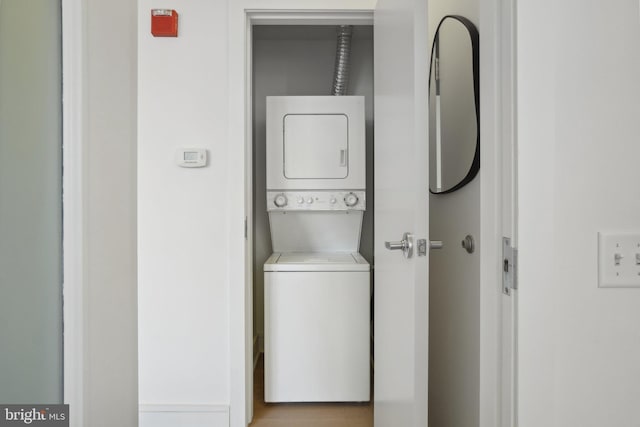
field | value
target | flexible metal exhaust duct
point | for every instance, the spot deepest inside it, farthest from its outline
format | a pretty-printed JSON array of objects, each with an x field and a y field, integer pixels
[{"x": 343, "y": 57}]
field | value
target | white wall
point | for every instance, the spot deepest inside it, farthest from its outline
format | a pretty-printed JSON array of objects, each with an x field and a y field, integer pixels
[
  {"x": 30, "y": 202},
  {"x": 294, "y": 60},
  {"x": 454, "y": 282},
  {"x": 182, "y": 216},
  {"x": 192, "y": 294},
  {"x": 578, "y": 112}
]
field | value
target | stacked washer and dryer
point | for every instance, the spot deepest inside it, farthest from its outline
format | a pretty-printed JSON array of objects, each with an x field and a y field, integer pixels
[{"x": 317, "y": 285}]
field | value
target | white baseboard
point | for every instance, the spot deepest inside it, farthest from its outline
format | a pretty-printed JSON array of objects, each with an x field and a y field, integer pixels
[{"x": 184, "y": 415}]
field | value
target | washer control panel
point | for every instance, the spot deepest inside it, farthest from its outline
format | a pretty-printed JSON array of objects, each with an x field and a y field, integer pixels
[{"x": 316, "y": 200}]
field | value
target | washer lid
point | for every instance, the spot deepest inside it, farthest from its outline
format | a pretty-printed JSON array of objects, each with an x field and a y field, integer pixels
[
  {"x": 316, "y": 261},
  {"x": 316, "y": 258}
]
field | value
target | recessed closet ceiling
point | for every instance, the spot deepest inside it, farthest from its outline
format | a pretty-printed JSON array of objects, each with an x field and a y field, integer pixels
[{"x": 307, "y": 32}]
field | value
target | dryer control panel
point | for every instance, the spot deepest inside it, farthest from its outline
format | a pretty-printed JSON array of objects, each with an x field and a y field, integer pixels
[{"x": 316, "y": 200}]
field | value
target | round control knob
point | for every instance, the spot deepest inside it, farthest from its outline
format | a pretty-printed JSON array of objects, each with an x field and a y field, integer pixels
[
  {"x": 310, "y": 200},
  {"x": 332, "y": 200},
  {"x": 300, "y": 200},
  {"x": 280, "y": 200},
  {"x": 351, "y": 200}
]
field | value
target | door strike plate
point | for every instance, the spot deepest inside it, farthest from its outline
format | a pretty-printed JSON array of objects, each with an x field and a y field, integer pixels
[
  {"x": 509, "y": 266},
  {"x": 422, "y": 247}
]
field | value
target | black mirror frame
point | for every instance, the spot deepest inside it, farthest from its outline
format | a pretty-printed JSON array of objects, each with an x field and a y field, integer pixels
[{"x": 475, "y": 48}]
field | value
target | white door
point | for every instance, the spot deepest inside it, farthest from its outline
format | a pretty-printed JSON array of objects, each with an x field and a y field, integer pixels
[{"x": 401, "y": 205}]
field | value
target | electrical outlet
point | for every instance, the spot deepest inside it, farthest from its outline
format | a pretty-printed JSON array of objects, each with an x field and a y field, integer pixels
[{"x": 619, "y": 260}]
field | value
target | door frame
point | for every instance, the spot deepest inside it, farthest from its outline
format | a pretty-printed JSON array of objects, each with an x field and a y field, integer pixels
[
  {"x": 509, "y": 201},
  {"x": 497, "y": 19},
  {"x": 73, "y": 131},
  {"x": 498, "y": 312},
  {"x": 242, "y": 18}
]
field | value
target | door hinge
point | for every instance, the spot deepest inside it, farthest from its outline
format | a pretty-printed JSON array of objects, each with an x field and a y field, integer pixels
[
  {"x": 509, "y": 266},
  {"x": 246, "y": 231}
]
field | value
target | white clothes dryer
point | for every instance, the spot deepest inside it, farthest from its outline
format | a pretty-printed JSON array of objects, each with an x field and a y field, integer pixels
[{"x": 316, "y": 143}]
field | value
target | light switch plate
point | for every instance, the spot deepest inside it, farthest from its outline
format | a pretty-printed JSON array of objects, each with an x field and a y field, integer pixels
[{"x": 618, "y": 260}]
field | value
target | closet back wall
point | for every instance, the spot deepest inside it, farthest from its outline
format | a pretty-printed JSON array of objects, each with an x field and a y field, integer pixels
[{"x": 299, "y": 60}]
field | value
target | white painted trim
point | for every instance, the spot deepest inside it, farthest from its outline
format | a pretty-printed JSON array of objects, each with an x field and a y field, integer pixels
[
  {"x": 184, "y": 408},
  {"x": 497, "y": 58},
  {"x": 309, "y": 17},
  {"x": 239, "y": 281},
  {"x": 510, "y": 201},
  {"x": 73, "y": 209},
  {"x": 498, "y": 212},
  {"x": 509, "y": 104},
  {"x": 172, "y": 415},
  {"x": 241, "y": 18},
  {"x": 490, "y": 217}
]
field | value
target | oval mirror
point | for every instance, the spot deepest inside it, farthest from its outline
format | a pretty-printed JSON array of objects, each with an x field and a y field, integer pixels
[{"x": 454, "y": 105}]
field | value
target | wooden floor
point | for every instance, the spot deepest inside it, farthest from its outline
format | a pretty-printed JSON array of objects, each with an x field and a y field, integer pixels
[{"x": 306, "y": 414}]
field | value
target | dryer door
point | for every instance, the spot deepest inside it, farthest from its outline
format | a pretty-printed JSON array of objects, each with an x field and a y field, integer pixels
[
  {"x": 316, "y": 146},
  {"x": 315, "y": 143}
]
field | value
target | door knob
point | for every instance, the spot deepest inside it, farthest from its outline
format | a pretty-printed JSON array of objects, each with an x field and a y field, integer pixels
[{"x": 405, "y": 245}]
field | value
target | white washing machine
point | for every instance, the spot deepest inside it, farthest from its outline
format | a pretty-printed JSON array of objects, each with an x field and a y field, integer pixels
[
  {"x": 317, "y": 327},
  {"x": 317, "y": 285}
]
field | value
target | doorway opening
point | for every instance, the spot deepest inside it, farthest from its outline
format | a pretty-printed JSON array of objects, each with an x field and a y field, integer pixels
[{"x": 298, "y": 60}]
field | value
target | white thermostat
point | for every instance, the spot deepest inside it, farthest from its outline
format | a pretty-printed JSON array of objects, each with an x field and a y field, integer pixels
[{"x": 191, "y": 157}]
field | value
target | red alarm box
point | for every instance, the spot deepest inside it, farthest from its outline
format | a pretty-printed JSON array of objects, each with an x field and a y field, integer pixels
[{"x": 164, "y": 23}]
